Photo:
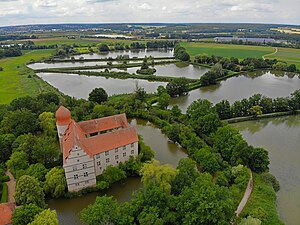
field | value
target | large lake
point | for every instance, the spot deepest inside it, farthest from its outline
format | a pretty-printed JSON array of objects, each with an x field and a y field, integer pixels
[
  {"x": 281, "y": 137},
  {"x": 80, "y": 86},
  {"x": 166, "y": 152},
  {"x": 131, "y": 53},
  {"x": 179, "y": 69},
  {"x": 270, "y": 84}
]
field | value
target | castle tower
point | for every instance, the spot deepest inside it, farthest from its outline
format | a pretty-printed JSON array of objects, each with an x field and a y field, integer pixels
[{"x": 63, "y": 119}]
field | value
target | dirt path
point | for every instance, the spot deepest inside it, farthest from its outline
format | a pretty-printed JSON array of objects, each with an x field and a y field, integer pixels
[
  {"x": 273, "y": 53},
  {"x": 246, "y": 196},
  {"x": 11, "y": 185}
]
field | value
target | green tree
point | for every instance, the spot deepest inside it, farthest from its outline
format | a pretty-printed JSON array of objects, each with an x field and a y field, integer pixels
[
  {"x": 6, "y": 141},
  {"x": 177, "y": 87},
  {"x": 19, "y": 122},
  {"x": 103, "y": 48},
  {"x": 46, "y": 217},
  {"x": 105, "y": 210},
  {"x": 37, "y": 171},
  {"x": 256, "y": 110},
  {"x": 186, "y": 175},
  {"x": 250, "y": 221},
  {"x": 17, "y": 161},
  {"x": 160, "y": 175},
  {"x": 98, "y": 95},
  {"x": 28, "y": 191},
  {"x": 112, "y": 174},
  {"x": 259, "y": 160},
  {"x": 44, "y": 150},
  {"x": 207, "y": 160},
  {"x": 25, "y": 214},
  {"x": 225, "y": 139},
  {"x": 47, "y": 123},
  {"x": 223, "y": 109},
  {"x": 205, "y": 203},
  {"x": 163, "y": 100},
  {"x": 102, "y": 111},
  {"x": 55, "y": 183}
]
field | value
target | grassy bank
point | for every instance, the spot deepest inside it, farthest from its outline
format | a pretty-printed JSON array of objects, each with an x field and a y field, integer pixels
[
  {"x": 17, "y": 79},
  {"x": 4, "y": 196},
  {"x": 263, "y": 196},
  {"x": 289, "y": 55},
  {"x": 263, "y": 116}
]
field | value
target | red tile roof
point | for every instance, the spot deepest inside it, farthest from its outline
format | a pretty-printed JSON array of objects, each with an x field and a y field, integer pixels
[
  {"x": 109, "y": 141},
  {"x": 102, "y": 124},
  {"x": 63, "y": 116},
  {"x": 6, "y": 211},
  {"x": 119, "y": 134}
]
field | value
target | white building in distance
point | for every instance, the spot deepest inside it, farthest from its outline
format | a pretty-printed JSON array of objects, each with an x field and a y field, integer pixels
[{"x": 89, "y": 147}]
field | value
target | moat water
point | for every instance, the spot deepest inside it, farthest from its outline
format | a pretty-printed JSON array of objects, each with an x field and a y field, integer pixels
[
  {"x": 281, "y": 137},
  {"x": 165, "y": 151}
]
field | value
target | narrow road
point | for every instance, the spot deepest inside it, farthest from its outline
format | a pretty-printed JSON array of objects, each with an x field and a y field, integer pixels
[
  {"x": 11, "y": 186},
  {"x": 246, "y": 196},
  {"x": 273, "y": 53}
]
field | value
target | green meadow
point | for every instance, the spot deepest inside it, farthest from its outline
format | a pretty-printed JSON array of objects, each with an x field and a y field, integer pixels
[
  {"x": 289, "y": 55},
  {"x": 17, "y": 79},
  {"x": 227, "y": 50}
]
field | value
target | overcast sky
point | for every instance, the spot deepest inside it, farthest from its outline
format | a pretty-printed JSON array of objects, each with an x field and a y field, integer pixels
[{"x": 14, "y": 12}]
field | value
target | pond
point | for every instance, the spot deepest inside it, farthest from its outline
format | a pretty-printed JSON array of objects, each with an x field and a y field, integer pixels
[
  {"x": 80, "y": 86},
  {"x": 36, "y": 66},
  {"x": 271, "y": 84},
  {"x": 165, "y": 151},
  {"x": 179, "y": 69},
  {"x": 281, "y": 137},
  {"x": 131, "y": 53}
]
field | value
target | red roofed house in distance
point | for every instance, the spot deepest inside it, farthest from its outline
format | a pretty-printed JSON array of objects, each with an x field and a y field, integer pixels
[{"x": 89, "y": 147}]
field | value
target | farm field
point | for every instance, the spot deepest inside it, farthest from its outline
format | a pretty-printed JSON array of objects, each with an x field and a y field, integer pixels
[
  {"x": 78, "y": 41},
  {"x": 289, "y": 55},
  {"x": 226, "y": 50},
  {"x": 14, "y": 81}
]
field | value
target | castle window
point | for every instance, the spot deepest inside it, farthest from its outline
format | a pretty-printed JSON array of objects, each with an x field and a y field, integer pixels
[
  {"x": 132, "y": 145},
  {"x": 75, "y": 176},
  {"x": 124, "y": 154},
  {"x": 97, "y": 156},
  {"x": 86, "y": 181},
  {"x": 98, "y": 163},
  {"x": 107, "y": 153},
  {"x": 124, "y": 147},
  {"x": 84, "y": 166},
  {"x": 116, "y": 150},
  {"x": 116, "y": 157},
  {"x": 74, "y": 168},
  {"x": 132, "y": 152},
  {"x": 85, "y": 174},
  {"x": 107, "y": 160},
  {"x": 76, "y": 184}
]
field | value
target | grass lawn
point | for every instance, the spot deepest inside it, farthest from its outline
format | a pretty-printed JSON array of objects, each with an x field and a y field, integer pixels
[
  {"x": 227, "y": 50},
  {"x": 289, "y": 55},
  {"x": 14, "y": 81},
  {"x": 263, "y": 196}
]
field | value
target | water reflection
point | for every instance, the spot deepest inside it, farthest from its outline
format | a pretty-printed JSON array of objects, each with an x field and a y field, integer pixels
[
  {"x": 80, "y": 86},
  {"x": 281, "y": 137},
  {"x": 269, "y": 84}
]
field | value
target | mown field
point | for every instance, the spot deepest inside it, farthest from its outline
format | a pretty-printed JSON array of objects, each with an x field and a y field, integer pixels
[
  {"x": 14, "y": 81},
  {"x": 289, "y": 55},
  {"x": 227, "y": 50}
]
